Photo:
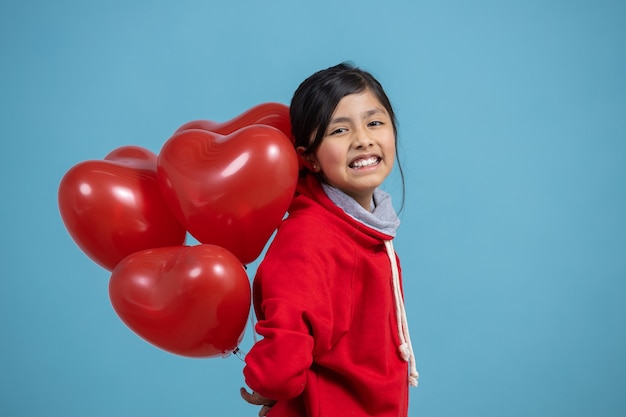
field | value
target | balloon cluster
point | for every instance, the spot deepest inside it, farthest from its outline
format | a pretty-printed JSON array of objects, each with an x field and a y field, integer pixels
[{"x": 226, "y": 184}]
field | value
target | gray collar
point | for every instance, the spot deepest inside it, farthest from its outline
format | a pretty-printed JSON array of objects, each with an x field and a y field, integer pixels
[{"x": 383, "y": 218}]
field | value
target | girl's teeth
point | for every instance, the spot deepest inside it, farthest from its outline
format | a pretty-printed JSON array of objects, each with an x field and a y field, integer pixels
[{"x": 365, "y": 162}]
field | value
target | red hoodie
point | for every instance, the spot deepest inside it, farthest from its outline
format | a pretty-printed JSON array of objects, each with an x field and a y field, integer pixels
[{"x": 324, "y": 301}]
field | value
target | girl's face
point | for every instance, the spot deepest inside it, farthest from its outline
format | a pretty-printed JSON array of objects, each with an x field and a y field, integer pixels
[{"x": 358, "y": 149}]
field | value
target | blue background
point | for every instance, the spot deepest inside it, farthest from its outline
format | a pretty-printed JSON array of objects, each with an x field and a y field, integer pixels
[{"x": 512, "y": 127}]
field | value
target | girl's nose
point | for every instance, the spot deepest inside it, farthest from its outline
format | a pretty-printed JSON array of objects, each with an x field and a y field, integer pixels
[{"x": 362, "y": 139}]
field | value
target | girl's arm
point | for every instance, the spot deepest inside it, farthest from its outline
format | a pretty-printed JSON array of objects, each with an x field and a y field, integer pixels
[{"x": 294, "y": 308}]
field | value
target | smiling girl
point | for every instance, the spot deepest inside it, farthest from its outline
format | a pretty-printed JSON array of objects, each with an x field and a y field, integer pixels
[{"x": 328, "y": 294}]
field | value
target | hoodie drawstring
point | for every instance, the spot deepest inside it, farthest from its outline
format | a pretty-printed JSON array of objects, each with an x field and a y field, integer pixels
[{"x": 405, "y": 348}]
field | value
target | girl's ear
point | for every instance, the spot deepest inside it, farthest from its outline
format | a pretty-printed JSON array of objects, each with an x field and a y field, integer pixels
[{"x": 307, "y": 161}]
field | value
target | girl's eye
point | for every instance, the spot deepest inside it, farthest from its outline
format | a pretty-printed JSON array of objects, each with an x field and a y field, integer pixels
[
  {"x": 337, "y": 131},
  {"x": 375, "y": 123}
]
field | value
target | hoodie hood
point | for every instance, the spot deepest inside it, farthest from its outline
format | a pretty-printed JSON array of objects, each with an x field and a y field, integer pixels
[{"x": 381, "y": 224}]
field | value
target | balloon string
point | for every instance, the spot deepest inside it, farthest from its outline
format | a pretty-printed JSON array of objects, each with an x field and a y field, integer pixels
[
  {"x": 237, "y": 351},
  {"x": 251, "y": 315},
  {"x": 253, "y": 324}
]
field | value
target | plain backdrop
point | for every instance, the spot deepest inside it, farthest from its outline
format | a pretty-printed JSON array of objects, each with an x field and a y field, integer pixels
[{"x": 513, "y": 142}]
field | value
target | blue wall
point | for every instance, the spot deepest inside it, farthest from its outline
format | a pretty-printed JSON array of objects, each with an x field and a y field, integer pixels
[{"x": 513, "y": 129}]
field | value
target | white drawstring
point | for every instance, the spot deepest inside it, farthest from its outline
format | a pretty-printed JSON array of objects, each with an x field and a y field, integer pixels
[{"x": 405, "y": 348}]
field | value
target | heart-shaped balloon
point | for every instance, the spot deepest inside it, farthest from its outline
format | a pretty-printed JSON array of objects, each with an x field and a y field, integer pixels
[
  {"x": 192, "y": 301},
  {"x": 270, "y": 114},
  {"x": 114, "y": 207},
  {"x": 231, "y": 191}
]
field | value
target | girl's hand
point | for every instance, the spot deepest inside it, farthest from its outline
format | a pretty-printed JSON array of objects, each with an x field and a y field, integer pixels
[{"x": 256, "y": 399}]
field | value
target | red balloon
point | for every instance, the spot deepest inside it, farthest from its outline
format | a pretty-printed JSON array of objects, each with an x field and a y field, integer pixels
[
  {"x": 231, "y": 191},
  {"x": 114, "y": 207},
  {"x": 190, "y": 301},
  {"x": 270, "y": 114}
]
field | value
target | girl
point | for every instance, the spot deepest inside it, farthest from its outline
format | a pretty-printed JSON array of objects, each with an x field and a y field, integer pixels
[{"x": 328, "y": 293}]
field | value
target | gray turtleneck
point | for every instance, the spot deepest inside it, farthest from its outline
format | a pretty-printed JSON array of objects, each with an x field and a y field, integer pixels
[{"x": 383, "y": 218}]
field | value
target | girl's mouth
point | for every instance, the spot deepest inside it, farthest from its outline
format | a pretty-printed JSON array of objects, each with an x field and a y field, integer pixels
[{"x": 364, "y": 162}]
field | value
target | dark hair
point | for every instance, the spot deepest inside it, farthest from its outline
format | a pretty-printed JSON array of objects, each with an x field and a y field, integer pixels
[{"x": 315, "y": 100}]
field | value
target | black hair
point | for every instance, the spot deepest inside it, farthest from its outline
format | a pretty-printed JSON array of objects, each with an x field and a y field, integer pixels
[{"x": 315, "y": 100}]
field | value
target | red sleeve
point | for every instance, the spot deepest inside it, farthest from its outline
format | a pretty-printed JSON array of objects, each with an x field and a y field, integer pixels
[{"x": 293, "y": 302}]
